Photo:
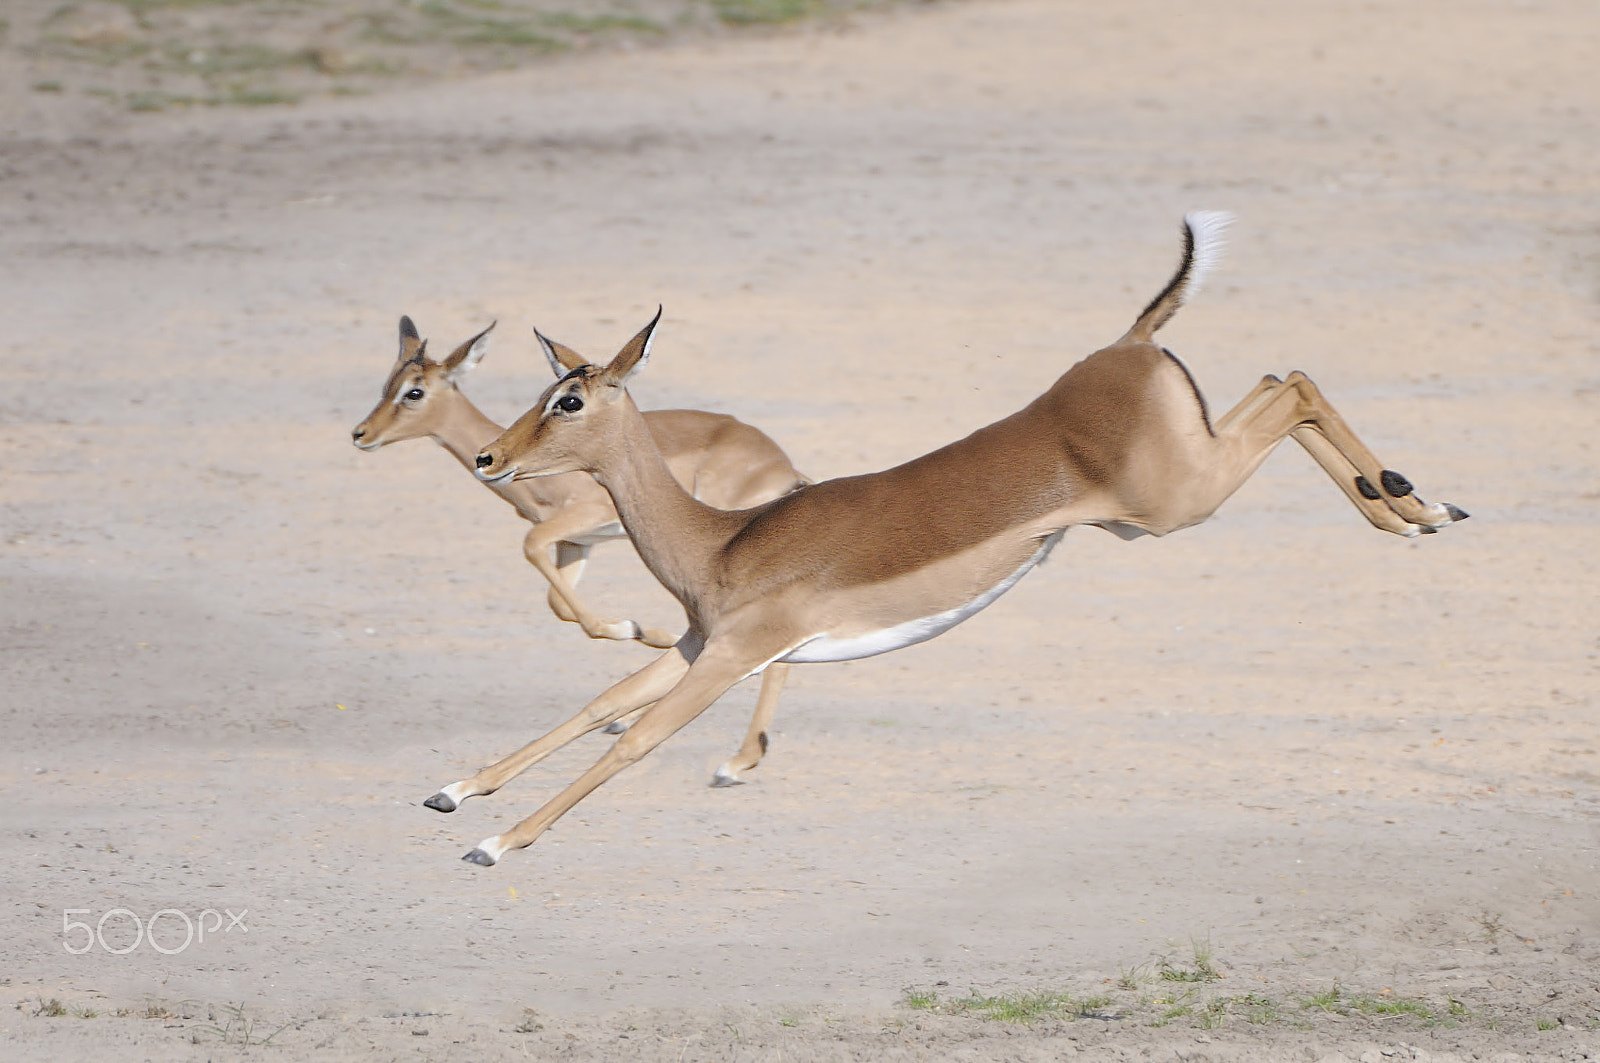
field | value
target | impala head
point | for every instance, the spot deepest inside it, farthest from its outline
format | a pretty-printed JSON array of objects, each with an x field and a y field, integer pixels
[
  {"x": 566, "y": 431},
  {"x": 417, "y": 389}
]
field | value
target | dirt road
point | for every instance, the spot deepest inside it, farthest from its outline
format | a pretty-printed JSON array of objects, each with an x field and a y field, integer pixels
[{"x": 1278, "y": 787}]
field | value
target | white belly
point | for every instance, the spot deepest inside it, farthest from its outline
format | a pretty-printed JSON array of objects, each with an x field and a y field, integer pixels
[{"x": 824, "y": 647}]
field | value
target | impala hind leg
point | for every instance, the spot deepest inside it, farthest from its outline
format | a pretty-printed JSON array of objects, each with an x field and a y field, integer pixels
[
  {"x": 755, "y": 739},
  {"x": 712, "y": 673},
  {"x": 1245, "y": 435},
  {"x": 640, "y": 688}
]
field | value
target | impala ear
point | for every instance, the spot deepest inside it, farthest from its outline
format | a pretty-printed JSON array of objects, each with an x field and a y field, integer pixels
[
  {"x": 466, "y": 357},
  {"x": 562, "y": 359},
  {"x": 634, "y": 354},
  {"x": 410, "y": 342}
]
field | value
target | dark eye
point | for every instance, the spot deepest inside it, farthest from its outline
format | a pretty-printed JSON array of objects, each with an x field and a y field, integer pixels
[
  {"x": 570, "y": 403},
  {"x": 414, "y": 394}
]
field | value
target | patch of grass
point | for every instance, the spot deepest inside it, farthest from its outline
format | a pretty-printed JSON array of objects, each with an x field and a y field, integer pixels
[
  {"x": 1203, "y": 970},
  {"x": 760, "y": 12},
  {"x": 1390, "y": 1006},
  {"x": 234, "y": 59},
  {"x": 1327, "y": 1000},
  {"x": 237, "y": 1029},
  {"x": 157, "y": 101},
  {"x": 1546, "y": 1024},
  {"x": 1258, "y": 1010},
  {"x": 1132, "y": 978},
  {"x": 594, "y": 24},
  {"x": 139, "y": 7},
  {"x": 1491, "y": 926},
  {"x": 156, "y": 1011},
  {"x": 253, "y": 96},
  {"x": 1009, "y": 1007},
  {"x": 50, "y": 1009},
  {"x": 1332, "y": 1000},
  {"x": 48, "y": 86}
]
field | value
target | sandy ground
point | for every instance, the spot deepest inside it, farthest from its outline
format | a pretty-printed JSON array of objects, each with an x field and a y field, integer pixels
[{"x": 239, "y": 653}]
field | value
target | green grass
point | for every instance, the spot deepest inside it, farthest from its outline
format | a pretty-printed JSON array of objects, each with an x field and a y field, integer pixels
[
  {"x": 1204, "y": 970},
  {"x": 1009, "y": 1007},
  {"x": 1327, "y": 1000},
  {"x": 239, "y": 1029},
  {"x": 1332, "y": 1000},
  {"x": 1546, "y": 1024},
  {"x": 575, "y": 23},
  {"x": 760, "y": 12}
]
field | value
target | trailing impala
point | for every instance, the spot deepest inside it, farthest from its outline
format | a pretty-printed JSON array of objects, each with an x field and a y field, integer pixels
[
  {"x": 858, "y": 566},
  {"x": 724, "y": 462}
]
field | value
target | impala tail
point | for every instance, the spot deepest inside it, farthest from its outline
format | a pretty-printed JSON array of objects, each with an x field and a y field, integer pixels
[{"x": 1202, "y": 248}]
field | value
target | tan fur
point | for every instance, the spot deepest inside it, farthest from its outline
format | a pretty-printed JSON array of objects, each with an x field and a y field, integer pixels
[{"x": 1121, "y": 440}]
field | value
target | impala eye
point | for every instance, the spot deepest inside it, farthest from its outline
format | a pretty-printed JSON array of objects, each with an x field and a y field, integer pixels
[
  {"x": 570, "y": 403},
  {"x": 414, "y": 394}
]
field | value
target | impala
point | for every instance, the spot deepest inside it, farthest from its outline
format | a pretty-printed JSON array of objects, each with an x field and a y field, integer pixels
[
  {"x": 724, "y": 462},
  {"x": 858, "y": 566}
]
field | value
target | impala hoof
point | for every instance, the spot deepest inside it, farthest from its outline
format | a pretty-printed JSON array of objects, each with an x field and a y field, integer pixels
[
  {"x": 1456, "y": 512},
  {"x": 615, "y": 727},
  {"x": 479, "y": 857},
  {"x": 724, "y": 777},
  {"x": 441, "y": 802}
]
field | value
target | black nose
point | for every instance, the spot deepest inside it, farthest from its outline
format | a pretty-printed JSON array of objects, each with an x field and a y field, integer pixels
[
  {"x": 357, "y": 433},
  {"x": 484, "y": 461}
]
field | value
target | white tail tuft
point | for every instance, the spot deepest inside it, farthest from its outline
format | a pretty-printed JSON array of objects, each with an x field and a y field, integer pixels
[
  {"x": 1206, "y": 227},
  {"x": 1202, "y": 249}
]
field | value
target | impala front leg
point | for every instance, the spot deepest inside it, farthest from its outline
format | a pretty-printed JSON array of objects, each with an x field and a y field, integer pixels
[
  {"x": 712, "y": 673},
  {"x": 640, "y": 688},
  {"x": 564, "y": 601}
]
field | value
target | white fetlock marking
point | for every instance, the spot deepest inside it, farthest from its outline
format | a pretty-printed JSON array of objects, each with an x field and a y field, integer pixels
[
  {"x": 459, "y": 792},
  {"x": 493, "y": 847},
  {"x": 724, "y": 777}
]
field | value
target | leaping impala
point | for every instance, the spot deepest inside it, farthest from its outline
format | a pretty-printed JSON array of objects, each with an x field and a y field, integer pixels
[
  {"x": 859, "y": 566},
  {"x": 724, "y": 462}
]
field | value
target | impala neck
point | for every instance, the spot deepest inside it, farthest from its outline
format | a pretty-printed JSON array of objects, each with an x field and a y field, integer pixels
[
  {"x": 677, "y": 536},
  {"x": 463, "y": 430}
]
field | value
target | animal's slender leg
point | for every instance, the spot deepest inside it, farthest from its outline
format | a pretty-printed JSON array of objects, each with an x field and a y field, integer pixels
[
  {"x": 713, "y": 672},
  {"x": 1249, "y": 432},
  {"x": 640, "y": 688},
  {"x": 554, "y": 532},
  {"x": 570, "y": 561},
  {"x": 755, "y": 739}
]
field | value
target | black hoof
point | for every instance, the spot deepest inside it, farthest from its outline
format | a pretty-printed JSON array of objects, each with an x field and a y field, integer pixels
[
  {"x": 1456, "y": 512},
  {"x": 439, "y": 802},
  {"x": 1397, "y": 486},
  {"x": 1368, "y": 492},
  {"x": 1425, "y": 530},
  {"x": 479, "y": 857}
]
